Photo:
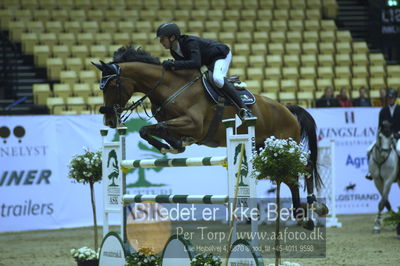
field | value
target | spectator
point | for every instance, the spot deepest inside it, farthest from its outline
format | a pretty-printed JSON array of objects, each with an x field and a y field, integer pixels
[
  {"x": 343, "y": 99},
  {"x": 327, "y": 100},
  {"x": 398, "y": 98},
  {"x": 363, "y": 99},
  {"x": 381, "y": 102}
]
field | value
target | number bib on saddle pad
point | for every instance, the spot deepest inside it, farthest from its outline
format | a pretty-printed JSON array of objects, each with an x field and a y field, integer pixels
[{"x": 215, "y": 92}]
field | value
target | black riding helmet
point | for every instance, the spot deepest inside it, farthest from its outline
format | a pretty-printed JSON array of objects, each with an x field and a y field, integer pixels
[
  {"x": 168, "y": 29},
  {"x": 391, "y": 93}
]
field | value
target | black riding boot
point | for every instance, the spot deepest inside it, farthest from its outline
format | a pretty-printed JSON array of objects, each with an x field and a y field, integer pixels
[{"x": 244, "y": 111}]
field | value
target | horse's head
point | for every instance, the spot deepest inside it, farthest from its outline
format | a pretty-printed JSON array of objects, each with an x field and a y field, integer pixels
[
  {"x": 116, "y": 92},
  {"x": 386, "y": 128},
  {"x": 385, "y": 140}
]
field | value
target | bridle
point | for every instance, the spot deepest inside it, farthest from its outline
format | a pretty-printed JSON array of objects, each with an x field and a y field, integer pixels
[
  {"x": 123, "y": 113},
  {"x": 381, "y": 150}
]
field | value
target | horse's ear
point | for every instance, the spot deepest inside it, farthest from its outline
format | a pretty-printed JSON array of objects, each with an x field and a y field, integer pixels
[
  {"x": 107, "y": 67},
  {"x": 100, "y": 67}
]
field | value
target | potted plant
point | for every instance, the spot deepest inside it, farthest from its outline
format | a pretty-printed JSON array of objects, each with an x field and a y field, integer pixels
[
  {"x": 281, "y": 160},
  {"x": 87, "y": 168},
  {"x": 139, "y": 258},
  {"x": 85, "y": 256},
  {"x": 393, "y": 218},
  {"x": 205, "y": 259}
]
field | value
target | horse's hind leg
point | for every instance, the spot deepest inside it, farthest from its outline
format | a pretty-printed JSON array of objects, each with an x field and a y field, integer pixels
[
  {"x": 319, "y": 208},
  {"x": 299, "y": 212}
]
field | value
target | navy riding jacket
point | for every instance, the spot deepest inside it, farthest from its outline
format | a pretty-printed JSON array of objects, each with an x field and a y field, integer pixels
[
  {"x": 394, "y": 120},
  {"x": 198, "y": 52}
]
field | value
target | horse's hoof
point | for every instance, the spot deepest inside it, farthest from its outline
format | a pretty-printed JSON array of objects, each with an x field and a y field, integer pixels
[
  {"x": 320, "y": 208},
  {"x": 182, "y": 149},
  {"x": 376, "y": 231},
  {"x": 165, "y": 151},
  {"x": 308, "y": 224},
  {"x": 187, "y": 141}
]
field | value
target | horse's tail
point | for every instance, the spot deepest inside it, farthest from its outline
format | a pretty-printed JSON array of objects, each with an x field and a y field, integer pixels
[{"x": 308, "y": 131}]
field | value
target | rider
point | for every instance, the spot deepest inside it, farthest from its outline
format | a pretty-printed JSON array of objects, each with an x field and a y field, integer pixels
[
  {"x": 390, "y": 113},
  {"x": 191, "y": 52}
]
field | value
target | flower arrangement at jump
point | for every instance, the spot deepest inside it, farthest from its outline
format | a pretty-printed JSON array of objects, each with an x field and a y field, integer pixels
[
  {"x": 87, "y": 168},
  {"x": 281, "y": 160},
  {"x": 206, "y": 259},
  {"x": 84, "y": 254},
  {"x": 138, "y": 258},
  {"x": 393, "y": 218}
]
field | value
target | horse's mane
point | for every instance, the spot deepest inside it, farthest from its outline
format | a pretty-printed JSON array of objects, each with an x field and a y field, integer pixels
[{"x": 131, "y": 54}]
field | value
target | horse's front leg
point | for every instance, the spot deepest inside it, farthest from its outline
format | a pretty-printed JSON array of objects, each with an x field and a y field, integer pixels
[
  {"x": 179, "y": 132},
  {"x": 147, "y": 133},
  {"x": 167, "y": 130},
  {"x": 162, "y": 131},
  {"x": 385, "y": 193}
]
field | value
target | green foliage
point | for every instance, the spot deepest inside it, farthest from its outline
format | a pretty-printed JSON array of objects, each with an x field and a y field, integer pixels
[
  {"x": 86, "y": 168},
  {"x": 393, "y": 218},
  {"x": 205, "y": 259},
  {"x": 281, "y": 160},
  {"x": 138, "y": 258}
]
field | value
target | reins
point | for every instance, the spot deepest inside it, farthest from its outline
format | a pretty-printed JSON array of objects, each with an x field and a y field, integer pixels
[
  {"x": 126, "y": 112},
  {"x": 378, "y": 151},
  {"x": 176, "y": 94},
  {"x": 129, "y": 110}
]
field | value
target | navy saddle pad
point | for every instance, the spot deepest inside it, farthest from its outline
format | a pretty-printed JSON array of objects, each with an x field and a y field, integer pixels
[{"x": 247, "y": 97}]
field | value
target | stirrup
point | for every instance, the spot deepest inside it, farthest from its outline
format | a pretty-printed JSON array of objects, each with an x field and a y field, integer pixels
[{"x": 245, "y": 113}]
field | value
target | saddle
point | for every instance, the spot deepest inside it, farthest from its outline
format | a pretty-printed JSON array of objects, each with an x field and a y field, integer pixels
[{"x": 216, "y": 93}]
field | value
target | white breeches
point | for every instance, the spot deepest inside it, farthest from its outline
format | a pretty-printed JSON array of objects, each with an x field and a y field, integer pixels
[{"x": 221, "y": 68}]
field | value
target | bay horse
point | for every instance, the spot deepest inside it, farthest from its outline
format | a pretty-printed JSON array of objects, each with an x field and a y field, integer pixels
[
  {"x": 185, "y": 113},
  {"x": 383, "y": 165}
]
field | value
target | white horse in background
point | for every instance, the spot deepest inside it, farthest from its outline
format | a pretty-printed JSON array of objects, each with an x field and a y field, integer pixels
[{"x": 383, "y": 166}]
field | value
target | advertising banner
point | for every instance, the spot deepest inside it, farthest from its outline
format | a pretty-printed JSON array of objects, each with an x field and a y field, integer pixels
[{"x": 35, "y": 192}]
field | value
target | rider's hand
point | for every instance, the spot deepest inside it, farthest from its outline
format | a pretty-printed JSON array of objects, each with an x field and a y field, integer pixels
[
  {"x": 396, "y": 135},
  {"x": 168, "y": 64}
]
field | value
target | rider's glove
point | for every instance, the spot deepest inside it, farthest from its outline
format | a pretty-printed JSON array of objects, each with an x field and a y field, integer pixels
[{"x": 168, "y": 64}]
